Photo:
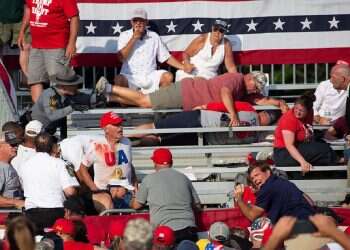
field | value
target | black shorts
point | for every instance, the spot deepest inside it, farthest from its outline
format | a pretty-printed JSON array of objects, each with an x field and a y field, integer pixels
[{"x": 185, "y": 119}]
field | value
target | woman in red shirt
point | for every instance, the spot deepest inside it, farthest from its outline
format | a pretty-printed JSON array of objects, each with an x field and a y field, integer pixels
[{"x": 293, "y": 143}]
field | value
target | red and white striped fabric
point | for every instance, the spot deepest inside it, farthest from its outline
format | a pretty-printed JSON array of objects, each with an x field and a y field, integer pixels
[{"x": 274, "y": 31}]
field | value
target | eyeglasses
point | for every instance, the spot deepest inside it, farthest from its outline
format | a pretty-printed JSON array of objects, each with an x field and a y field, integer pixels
[{"x": 217, "y": 28}]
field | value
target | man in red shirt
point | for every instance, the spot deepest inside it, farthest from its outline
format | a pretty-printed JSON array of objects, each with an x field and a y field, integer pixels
[
  {"x": 54, "y": 26},
  {"x": 190, "y": 93}
]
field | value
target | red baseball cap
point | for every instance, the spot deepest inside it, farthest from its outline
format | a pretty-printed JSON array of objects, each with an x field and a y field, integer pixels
[
  {"x": 162, "y": 156},
  {"x": 63, "y": 226},
  {"x": 110, "y": 118},
  {"x": 164, "y": 236}
]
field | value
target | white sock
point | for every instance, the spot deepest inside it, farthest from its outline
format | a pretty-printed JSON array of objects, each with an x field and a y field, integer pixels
[{"x": 108, "y": 88}]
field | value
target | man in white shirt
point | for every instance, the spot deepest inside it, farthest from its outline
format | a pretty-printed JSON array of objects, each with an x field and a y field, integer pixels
[
  {"x": 46, "y": 182},
  {"x": 139, "y": 49},
  {"x": 27, "y": 149},
  {"x": 110, "y": 156},
  {"x": 329, "y": 104}
]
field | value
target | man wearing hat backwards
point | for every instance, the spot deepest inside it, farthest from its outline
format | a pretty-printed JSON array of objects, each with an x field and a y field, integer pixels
[
  {"x": 207, "y": 52},
  {"x": 27, "y": 148},
  {"x": 190, "y": 93},
  {"x": 139, "y": 49},
  {"x": 56, "y": 102},
  {"x": 170, "y": 197},
  {"x": 110, "y": 156},
  {"x": 11, "y": 192}
]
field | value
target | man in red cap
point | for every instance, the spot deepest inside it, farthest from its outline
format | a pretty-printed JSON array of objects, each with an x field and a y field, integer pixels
[
  {"x": 110, "y": 156},
  {"x": 163, "y": 238},
  {"x": 170, "y": 197}
]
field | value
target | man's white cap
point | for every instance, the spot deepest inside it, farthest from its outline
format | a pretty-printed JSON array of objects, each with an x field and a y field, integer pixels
[
  {"x": 139, "y": 13},
  {"x": 33, "y": 128},
  {"x": 120, "y": 182}
]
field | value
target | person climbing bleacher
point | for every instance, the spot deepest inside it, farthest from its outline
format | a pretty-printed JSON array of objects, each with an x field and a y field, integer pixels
[
  {"x": 294, "y": 144},
  {"x": 214, "y": 115},
  {"x": 190, "y": 93},
  {"x": 275, "y": 196},
  {"x": 170, "y": 197}
]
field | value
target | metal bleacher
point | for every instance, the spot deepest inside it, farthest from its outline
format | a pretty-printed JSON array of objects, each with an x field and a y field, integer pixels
[{"x": 213, "y": 167}]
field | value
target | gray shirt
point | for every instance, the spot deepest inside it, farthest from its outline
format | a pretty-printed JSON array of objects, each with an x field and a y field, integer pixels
[
  {"x": 10, "y": 186},
  {"x": 48, "y": 108},
  {"x": 170, "y": 196}
]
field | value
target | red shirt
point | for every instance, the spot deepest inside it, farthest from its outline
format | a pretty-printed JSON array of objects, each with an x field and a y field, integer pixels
[
  {"x": 49, "y": 22},
  {"x": 200, "y": 91},
  {"x": 289, "y": 122},
  {"x": 75, "y": 245}
]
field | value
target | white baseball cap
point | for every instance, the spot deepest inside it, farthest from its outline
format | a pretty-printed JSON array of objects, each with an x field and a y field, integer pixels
[
  {"x": 33, "y": 128},
  {"x": 139, "y": 13},
  {"x": 120, "y": 182}
]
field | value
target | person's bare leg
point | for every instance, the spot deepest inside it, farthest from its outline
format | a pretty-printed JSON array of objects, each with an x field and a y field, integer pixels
[
  {"x": 35, "y": 91},
  {"x": 166, "y": 79},
  {"x": 130, "y": 96},
  {"x": 142, "y": 126},
  {"x": 24, "y": 59},
  {"x": 121, "y": 81}
]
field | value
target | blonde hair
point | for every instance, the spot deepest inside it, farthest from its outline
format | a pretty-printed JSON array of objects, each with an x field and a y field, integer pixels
[{"x": 20, "y": 234}]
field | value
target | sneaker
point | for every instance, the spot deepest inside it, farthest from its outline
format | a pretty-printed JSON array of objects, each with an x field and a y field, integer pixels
[{"x": 101, "y": 85}]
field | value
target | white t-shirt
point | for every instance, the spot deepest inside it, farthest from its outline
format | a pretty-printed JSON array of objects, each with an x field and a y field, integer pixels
[
  {"x": 74, "y": 148},
  {"x": 44, "y": 178},
  {"x": 97, "y": 154},
  {"x": 23, "y": 155}
]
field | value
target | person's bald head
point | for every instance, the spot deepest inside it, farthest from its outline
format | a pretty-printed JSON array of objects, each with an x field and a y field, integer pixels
[{"x": 340, "y": 76}]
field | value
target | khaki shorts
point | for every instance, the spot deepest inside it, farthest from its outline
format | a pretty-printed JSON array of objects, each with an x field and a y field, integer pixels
[
  {"x": 9, "y": 33},
  {"x": 168, "y": 97},
  {"x": 44, "y": 63}
]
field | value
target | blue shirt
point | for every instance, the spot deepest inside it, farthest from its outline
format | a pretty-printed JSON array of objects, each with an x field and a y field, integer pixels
[{"x": 280, "y": 197}]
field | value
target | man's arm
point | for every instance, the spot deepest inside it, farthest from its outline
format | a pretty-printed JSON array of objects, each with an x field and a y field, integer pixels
[
  {"x": 70, "y": 191},
  {"x": 227, "y": 99},
  {"x": 274, "y": 102},
  {"x": 172, "y": 61},
  {"x": 251, "y": 212},
  {"x": 86, "y": 178},
  {"x": 124, "y": 52},
  {"x": 9, "y": 202},
  {"x": 229, "y": 62},
  {"x": 73, "y": 34},
  {"x": 24, "y": 26},
  {"x": 135, "y": 204}
]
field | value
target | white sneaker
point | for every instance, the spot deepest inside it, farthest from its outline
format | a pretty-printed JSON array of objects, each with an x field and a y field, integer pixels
[{"x": 101, "y": 85}]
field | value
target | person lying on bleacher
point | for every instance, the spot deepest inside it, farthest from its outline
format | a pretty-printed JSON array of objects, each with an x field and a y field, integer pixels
[
  {"x": 294, "y": 145},
  {"x": 215, "y": 115},
  {"x": 190, "y": 93},
  {"x": 330, "y": 102},
  {"x": 207, "y": 52}
]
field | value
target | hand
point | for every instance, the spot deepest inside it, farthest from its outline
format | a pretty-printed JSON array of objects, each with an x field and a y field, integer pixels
[
  {"x": 283, "y": 106},
  {"x": 20, "y": 41},
  {"x": 283, "y": 228},
  {"x": 317, "y": 119},
  {"x": 305, "y": 167},
  {"x": 19, "y": 203},
  {"x": 200, "y": 107},
  {"x": 80, "y": 107},
  {"x": 188, "y": 67},
  {"x": 138, "y": 33},
  {"x": 325, "y": 224},
  {"x": 234, "y": 122},
  {"x": 70, "y": 51},
  {"x": 238, "y": 192}
]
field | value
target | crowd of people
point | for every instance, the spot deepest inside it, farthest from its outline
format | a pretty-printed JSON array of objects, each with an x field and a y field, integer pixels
[{"x": 58, "y": 182}]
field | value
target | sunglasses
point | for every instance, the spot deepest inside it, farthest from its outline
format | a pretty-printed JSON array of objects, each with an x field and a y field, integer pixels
[{"x": 217, "y": 28}]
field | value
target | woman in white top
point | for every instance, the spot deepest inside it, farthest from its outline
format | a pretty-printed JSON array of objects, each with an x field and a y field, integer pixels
[{"x": 207, "y": 52}]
